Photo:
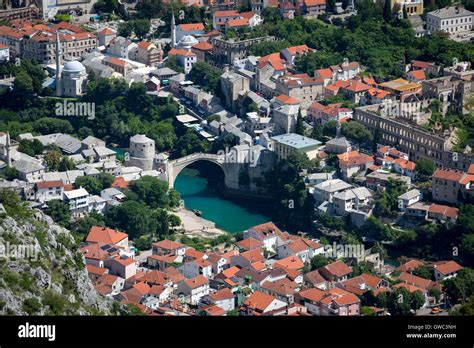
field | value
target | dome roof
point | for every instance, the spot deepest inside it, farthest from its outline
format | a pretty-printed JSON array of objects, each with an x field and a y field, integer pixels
[
  {"x": 74, "y": 66},
  {"x": 188, "y": 41}
]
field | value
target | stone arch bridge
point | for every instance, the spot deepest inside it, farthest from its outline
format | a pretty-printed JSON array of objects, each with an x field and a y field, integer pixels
[{"x": 174, "y": 167}]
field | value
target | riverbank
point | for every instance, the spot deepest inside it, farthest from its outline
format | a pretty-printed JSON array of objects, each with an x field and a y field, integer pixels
[{"x": 196, "y": 226}]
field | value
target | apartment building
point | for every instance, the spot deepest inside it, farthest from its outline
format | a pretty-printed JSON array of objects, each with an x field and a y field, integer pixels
[
  {"x": 449, "y": 185},
  {"x": 415, "y": 141},
  {"x": 452, "y": 20}
]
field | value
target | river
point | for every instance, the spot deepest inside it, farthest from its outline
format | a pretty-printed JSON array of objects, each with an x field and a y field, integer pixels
[{"x": 229, "y": 215}]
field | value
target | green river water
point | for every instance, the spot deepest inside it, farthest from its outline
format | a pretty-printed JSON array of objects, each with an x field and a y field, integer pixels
[{"x": 230, "y": 215}]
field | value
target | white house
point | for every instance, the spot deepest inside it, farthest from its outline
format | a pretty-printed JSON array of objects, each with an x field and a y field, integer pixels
[
  {"x": 49, "y": 190},
  {"x": 446, "y": 270},
  {"x": 267, "y": 233},
  {"x": 409, "y": 198},
  {"x": 223, "y": 298},
  {"x": 196, "y": 267},
  {"x": 194, "y": 289},
  {"x": 78, "y": 201}
]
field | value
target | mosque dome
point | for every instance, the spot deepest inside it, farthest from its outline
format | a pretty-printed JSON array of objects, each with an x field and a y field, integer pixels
[
  {"x": 74, "y": 66},
  {"x": 187, "y": 41}
]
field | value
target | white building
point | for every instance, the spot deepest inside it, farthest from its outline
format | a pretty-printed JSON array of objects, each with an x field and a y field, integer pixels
[
  {"x": 452, "y": 20},
  {"x": 78, "y": 201},
  {"x": 4, "y": 53},
  {"x": 49, "y": 190}
]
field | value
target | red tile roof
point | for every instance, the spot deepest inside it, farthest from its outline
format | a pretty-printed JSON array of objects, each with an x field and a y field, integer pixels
[
  {"x": 285, "y": 99},
  {"x": 445, "y": 210},
  {"x": 291, "y": 262},
  {"x": 99, "y": 234},
  {"x": 338, "y": 268},
  {"x": 191, "y": 27},
  {"x": 47, "y": 184},
  {"x": 167, "y": 244},
  {"x": 448, "y": 267},
  {"x": 180, "y": 52},
  {"x": 249, "y": 243},
  {"x": 203, "y": 46},
  {"x": 259, "y": 301},
  {"x": 196, "y": 282},
  {"x": 222, "y": 294}
]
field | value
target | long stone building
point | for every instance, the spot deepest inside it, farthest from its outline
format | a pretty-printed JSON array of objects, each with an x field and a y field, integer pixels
[{"x": 412, "y": 139}]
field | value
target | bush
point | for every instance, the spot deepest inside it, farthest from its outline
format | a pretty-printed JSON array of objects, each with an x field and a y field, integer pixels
[{"x": 31, "y": 305}]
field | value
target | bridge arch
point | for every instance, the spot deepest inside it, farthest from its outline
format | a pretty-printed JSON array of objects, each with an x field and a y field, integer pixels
[{"x": 174, "y": 167}]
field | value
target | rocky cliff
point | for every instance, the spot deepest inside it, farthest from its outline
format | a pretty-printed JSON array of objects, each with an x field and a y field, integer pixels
[{"x": 42, "y": 271}]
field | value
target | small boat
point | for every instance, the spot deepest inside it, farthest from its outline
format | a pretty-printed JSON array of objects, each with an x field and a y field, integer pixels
[{"x": 197, "y": 212}]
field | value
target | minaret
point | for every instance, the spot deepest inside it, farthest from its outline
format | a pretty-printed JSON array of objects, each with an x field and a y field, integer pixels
[
  {"x": 173, "y": 31},
  {"x": 58, "y": 66},
  {"x": 8, "y": 144}
]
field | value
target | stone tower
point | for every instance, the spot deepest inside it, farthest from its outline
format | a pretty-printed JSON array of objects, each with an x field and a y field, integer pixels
[{"x": 142, "y": 152}]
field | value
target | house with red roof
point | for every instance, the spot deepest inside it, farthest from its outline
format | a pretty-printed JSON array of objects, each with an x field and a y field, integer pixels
[
  {"x": 314, "y": 8},
  {"x": 100, "y": 234},
  {"x": 48, "y": 190},
  {"x": 416, "y": 76},
  {"x": 340, "y": 303},
  {"x": 220, "y": 18},
  {"x": 259, "y": 304},
  {"x": 122, "y": 266},
  {"x": 268, "y": 233},
  {"x": 223, "y": 298},
  {"x": 193, "y": 29},
  {"x": 322, "y": 114},
  {"x": 291, "y": 53},
  {"x": 302, "y": 248},
  {"x": 355, "y": 90},
  {"x": 167, "y": 246},
  {"x": 196, "y": 267},
  {"x": 448, "y": 184},
  {"x": 362, "y": 283},
  {"x": 185, "y": 58},
  {"x": 353, "y": 162},
  {"x": 442, "y": 213},
  {"x": 283, "y": 289},
  {"x": 200, "y": 49},
  {"x": 247, "y": 258},
  {"x": 336, "y": 271},
  {"x": 194, "y": 289},
  {"x": 446, "y": 270},
  {"x": 106, "y": 35}
]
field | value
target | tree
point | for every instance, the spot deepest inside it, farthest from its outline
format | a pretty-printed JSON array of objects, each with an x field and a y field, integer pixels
[
  {"x": 31, "y": 147},
  {"x": 133, "y": 217},
  {"x": 66, "y": 164},
  {"x": 387, "y": 11},
  {"x": 423, "y": 272},
  {"x": 10, "y": 173},
  {"x": 90, "y": 184},
  {"x": 460, "y": 287},
  {"x": 425, "y": 169},
  {"x": 417, "y": 300},
  {"x": 318, "y": 261},
  {"x": 435, "y": 292},
  {"x": 356, "y": 131},
  {"x": 330, "y": 129},
  {"x": 151, "y": 191},
  {"x": 141, "y": 27},
  {"x": 59, "y": 212},
  {"x": 405, "y": 14},
  {"x": 299, "y": 123},
  {"x": 53, "y": 160}
]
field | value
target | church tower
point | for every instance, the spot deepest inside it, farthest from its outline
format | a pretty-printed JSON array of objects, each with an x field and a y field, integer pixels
[
  {"x": 173, "y": 31},
  {"x": 58, "y": 66}
]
